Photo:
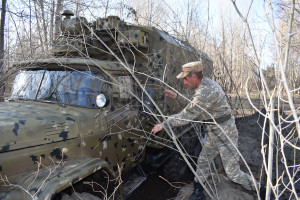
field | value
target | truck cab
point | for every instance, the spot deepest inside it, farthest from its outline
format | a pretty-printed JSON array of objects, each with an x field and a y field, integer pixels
[{"x": 89, "y": 107}]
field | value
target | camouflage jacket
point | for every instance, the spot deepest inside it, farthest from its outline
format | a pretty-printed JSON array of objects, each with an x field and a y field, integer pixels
[{"x": 208, "y": 98}]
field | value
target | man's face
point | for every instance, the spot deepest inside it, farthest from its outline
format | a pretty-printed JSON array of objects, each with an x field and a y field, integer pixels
[{"x": 191, "y": 81}]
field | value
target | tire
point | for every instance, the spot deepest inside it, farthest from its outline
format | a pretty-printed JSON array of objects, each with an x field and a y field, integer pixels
[{"x": 175, "y": 168}]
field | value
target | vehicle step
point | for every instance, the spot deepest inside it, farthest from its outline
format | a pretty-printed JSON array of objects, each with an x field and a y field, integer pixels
[{"x": 133, "y": 180}]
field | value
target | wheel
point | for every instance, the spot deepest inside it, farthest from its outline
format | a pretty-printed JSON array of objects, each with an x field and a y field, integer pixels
[{"x": 175, "y": 168}]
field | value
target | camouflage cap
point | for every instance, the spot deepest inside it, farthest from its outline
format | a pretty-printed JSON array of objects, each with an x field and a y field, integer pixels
[{"x": 190, "y": 67}]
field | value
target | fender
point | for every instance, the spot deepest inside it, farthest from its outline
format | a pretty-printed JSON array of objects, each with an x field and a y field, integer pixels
[{"x": 47, "y": 181}]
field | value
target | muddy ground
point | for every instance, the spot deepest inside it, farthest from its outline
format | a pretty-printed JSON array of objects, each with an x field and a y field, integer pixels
[{"x": 250, "y": 129}]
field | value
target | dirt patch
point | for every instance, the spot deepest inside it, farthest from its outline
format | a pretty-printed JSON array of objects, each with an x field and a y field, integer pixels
[{"x": 225, "y": 188}]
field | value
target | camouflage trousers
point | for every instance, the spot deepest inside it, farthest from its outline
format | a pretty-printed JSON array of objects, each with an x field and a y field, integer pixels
[{"x": 217, "y": 143}]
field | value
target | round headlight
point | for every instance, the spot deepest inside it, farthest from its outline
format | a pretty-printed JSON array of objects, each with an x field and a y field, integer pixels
[{"x": 101, "y": 100}]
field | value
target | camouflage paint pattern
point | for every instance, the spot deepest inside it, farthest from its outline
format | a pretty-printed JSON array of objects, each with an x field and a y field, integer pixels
[
  {"x": 37, "y": 131},
  {"x": 115, "y": 135},
  {"x": 210, "y": 98},
  {"x": 218, "y": 143}
]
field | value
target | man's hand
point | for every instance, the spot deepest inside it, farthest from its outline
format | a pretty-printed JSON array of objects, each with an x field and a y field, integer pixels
[
  {"x": 170, "y": 94},
  {"x": 156, "y": 128}
]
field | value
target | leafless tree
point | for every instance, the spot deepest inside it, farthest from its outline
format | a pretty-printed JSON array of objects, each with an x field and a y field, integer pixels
[{"x": 2, "y": 24}]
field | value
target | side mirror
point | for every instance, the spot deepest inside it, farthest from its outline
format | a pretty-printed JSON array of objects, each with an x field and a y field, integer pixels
[
  {"x": 101, "y": 100},
  {"x": 147, "y": 105}
]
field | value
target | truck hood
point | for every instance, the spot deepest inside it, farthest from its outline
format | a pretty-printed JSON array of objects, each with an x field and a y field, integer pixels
[{"x": 26, "y": 124}]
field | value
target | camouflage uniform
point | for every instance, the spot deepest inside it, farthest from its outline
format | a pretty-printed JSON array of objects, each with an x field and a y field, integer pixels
[{"x": 210, "y": 97}]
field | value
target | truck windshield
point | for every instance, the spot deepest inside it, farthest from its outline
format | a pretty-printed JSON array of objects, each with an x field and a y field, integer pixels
[{"x": 67, "y": 87}]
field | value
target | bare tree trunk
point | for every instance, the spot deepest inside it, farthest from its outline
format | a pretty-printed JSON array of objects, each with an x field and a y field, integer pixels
[
  {"x": 41, "y": 3},
  {"x": 39, "y": 28},
  {"x": 51, "y": 21},
  {"x": 30, "y": 30},
  {"x": 106, "y": 8},
  {"x": 59, "y": 8},
  {"x": 2, "y": 23},
  {"x": 77, "y": 8},
  {"x": 187, "y": 21},
  {"x": 231, "y": 61},
  {"x": 223, "y": 57}
]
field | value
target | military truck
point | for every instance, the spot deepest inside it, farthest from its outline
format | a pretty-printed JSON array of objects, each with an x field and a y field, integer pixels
[{"x": 87, "y": 110}]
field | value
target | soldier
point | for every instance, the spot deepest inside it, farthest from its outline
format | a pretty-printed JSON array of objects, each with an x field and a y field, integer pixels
[{"x": 209, "y": 102}]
